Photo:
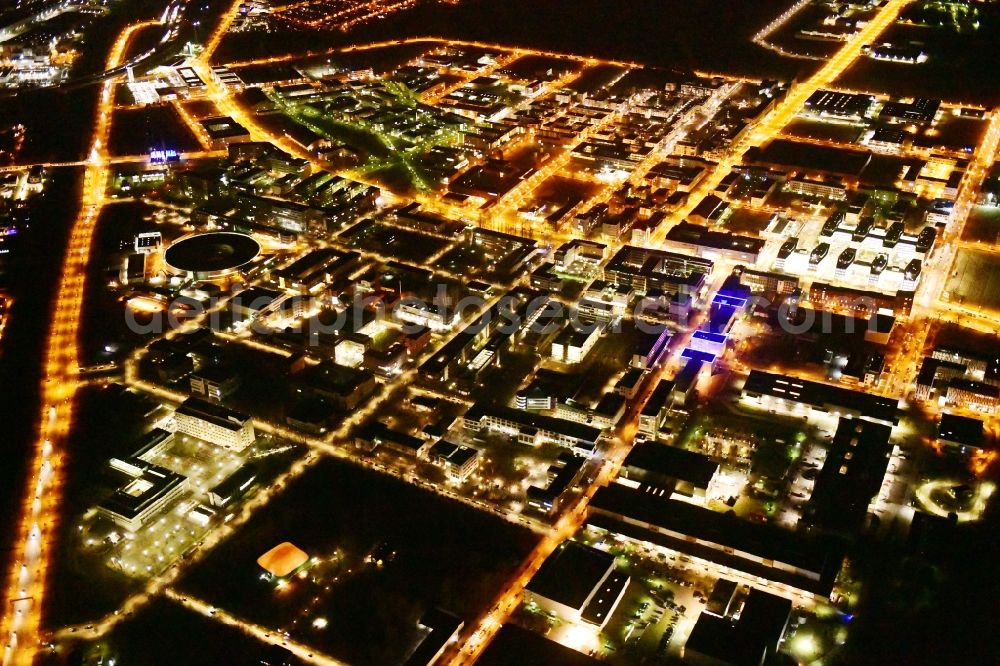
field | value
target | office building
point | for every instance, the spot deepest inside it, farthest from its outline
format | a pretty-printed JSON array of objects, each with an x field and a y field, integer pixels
[
  {"x": 851, "y": 477},
  {"x": 214, "y": 424},
  {"x": 459, "y": 462},
  {"x": 530, "y": 428},
  {"x": 145, "y": 492}
]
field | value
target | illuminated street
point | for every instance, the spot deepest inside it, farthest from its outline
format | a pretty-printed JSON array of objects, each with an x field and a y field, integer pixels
[{"x": 372, "y": 346}]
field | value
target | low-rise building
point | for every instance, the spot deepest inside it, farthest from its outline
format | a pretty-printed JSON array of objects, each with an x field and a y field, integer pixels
[
  {"x": 376, "y": 434},
  {"x": 792, "y": 564},
  {"x": 283, "y": 561},
  {"x": 459, "y": 462},
  {"x": 851, "y": 477},
  {"x": 561, "y": 476},
  {"x": 750, "y": 637},
  {"x": 342, "y": 386},
  {"x": 234, "y": 487},
  {"x": 223, "y": 130},
  {"x": 516, "y": 645},
  {"x": 646, "y": 269},
  {"x": 145, "y": 492},
  {"x": 441, "y": 630},
  {"x": 974, "y": 395},
  {"x": 677, "y": 472},
  {"x": 654, "y": 412},
  {"x": 650, "y": 348},
  {"x": 573, "y": 344},
  {"x": 964, "y": 432},
  {"x": 832, "y": 104},
  {"x": 630, "y": 383},
  {"x": 530, "y": 428},
  {"x": 708, "y": 243},
  {"x": 214, "y": 382},
  {"x": 320, "y": 267}
]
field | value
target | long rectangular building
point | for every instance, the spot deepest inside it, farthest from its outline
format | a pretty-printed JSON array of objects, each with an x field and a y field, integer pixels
[
  {"x": 789, "y": 563},
  {"x": 654, "y": 412},
  {"x": 767, "y": 282},
  {"x": 706, "y": 242},
  {"x": 310, "y": 272},
  {"x": 510, "y": 311},
  {"x": 827, "y": 296},
  {"x": 815, "y": 398}
]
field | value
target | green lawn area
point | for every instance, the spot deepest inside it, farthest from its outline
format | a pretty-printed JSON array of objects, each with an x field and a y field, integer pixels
[
  {"x": 708, "y": 418},
  {"x": 772, "y": 459},
  {"x": 352, "y": 135},
  {"x": 389, "y": 157},
  {"x": 957, "y": 16}
]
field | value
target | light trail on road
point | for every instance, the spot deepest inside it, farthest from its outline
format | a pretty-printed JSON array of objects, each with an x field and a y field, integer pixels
[
  {"x": 573, "y": 519},
  {"x": 28, "y": 576}
]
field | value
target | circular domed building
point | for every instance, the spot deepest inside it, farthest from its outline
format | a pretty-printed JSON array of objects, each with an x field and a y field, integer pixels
[{"x": 211, "y": 255}]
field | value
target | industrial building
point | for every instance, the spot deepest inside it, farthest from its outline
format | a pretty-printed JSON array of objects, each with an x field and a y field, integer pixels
[
  {"x": 788, "y": 563},
  {"x": 578, "y": 583},
  {"x": 801, "y": 396},
  {"x": 851, "y": 477},
  {"x": 670, "y": 471},
  {"x": 747, "y": 635}
]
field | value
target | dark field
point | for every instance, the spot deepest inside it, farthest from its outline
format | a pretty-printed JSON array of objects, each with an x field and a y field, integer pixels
[
  {"x": 104, "y": 321},
  {"x": 164, "y": 633},
  {"x": 108, "y": 424},
  {"x": 961, "y": 66},
  {"x": 57, "y": 123},
  {"x": 136, "y": 131},
  {"x": 982, "y": 225},
  {"x": 445, "y": 554},
  {"x": 673, "y": 33},
  {"x": 816, "y": 129}
]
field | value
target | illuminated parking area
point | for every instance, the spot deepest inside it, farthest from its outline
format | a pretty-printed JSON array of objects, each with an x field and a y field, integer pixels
[
  {"x": 159, "y": 543},
  {"x": 175, "y": 532},
  {"x": 150, "y": 551}
]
